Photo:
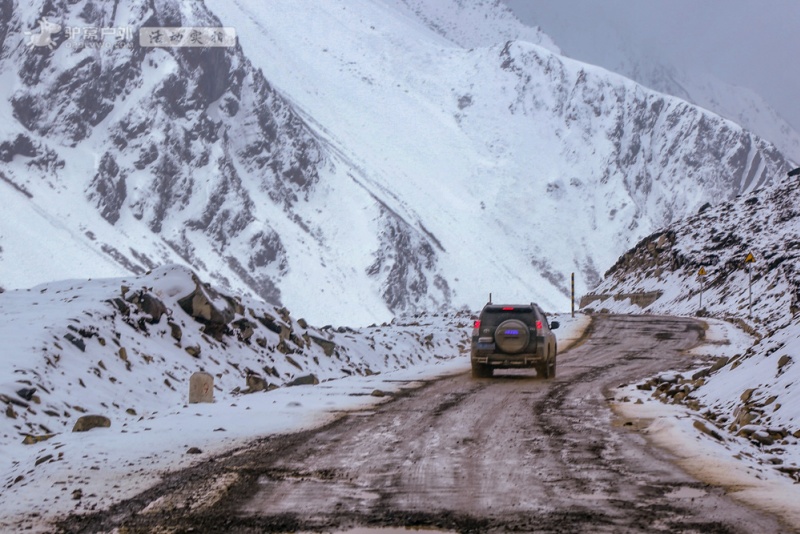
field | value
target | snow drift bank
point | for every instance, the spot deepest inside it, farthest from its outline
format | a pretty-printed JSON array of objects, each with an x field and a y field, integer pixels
[{"x": 749, "y": 392}]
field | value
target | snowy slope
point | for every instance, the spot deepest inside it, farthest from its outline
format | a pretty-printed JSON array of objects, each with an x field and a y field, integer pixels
[
  {"x": 474, "y": 24},
  {"x": 80, "y": 343},
  {"x": 352, "y": 160},
  {"x": 749, "y": 395},
  {"x": 107, "y": 347}
]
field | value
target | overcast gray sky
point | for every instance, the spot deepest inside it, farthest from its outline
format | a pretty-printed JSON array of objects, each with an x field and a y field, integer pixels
[{"x": 752, "y": 43}]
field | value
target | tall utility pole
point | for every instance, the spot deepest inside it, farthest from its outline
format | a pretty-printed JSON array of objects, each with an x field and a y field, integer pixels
[
  {"x": 701, "y": 275},
  {"x": 749, "y": 261},
  {"x": 573, "y": 294}
]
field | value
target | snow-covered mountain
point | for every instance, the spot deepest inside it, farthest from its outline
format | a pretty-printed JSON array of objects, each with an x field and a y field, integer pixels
[
  {"x": 475, "y": 23},
  {"x": 350, "y": 159},
  {"x": 740, "y": 104},
  {"x": 595, "y": 35}
]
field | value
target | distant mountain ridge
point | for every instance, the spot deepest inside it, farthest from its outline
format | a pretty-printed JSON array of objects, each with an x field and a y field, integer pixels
[
  {"x": 654, "y": 64},
  {"x": 345, "y": 159},
  {"x": 742, "y": 105}
]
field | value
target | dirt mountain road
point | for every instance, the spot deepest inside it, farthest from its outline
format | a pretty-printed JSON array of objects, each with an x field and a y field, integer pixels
[{"x": 509, "y": 453}]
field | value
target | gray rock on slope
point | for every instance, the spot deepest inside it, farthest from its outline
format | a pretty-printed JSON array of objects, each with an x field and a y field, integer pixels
[{"x": 88, "y": 422}]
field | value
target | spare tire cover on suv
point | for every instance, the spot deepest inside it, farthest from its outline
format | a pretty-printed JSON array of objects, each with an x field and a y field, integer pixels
[{"x": 512, "y": 336}]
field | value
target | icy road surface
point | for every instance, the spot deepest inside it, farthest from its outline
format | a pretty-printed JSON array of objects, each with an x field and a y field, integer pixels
[{"x": 510, "y": 453}]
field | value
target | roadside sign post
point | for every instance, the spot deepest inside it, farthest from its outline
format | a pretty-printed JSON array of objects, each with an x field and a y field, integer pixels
[
  {"x": 749, "y": 261},
  {"x": 701, "y": 275}
]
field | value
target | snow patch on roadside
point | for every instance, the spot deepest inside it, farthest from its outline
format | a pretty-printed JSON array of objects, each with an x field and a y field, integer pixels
[{"x": 746, "y": 467}]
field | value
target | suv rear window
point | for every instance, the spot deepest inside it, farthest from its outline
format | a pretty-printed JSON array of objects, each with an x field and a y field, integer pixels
[{"x": 494, "y": 315}]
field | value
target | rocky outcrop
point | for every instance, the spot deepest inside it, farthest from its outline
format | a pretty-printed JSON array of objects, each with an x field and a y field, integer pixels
[
  {"x": 406, "y": 266},
  {"x": 257, "y": 383},
  {"x": 716, "y": 241},
  {"x": 148, "y": 304}
]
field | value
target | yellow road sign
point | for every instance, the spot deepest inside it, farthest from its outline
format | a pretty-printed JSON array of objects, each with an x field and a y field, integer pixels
[
  {"x": 750, "y": 258},
  {"x": 702, "y": 271}
]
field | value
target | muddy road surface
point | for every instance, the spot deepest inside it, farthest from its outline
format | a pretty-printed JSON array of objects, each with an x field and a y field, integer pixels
[{"x": 510, "y": 453}]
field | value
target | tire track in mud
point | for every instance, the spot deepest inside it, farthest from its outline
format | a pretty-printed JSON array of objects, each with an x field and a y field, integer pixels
[{"x": 576, "y": 420}]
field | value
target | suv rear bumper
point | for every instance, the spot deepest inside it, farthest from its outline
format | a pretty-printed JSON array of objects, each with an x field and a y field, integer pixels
[{"x": 498, "y": 359}]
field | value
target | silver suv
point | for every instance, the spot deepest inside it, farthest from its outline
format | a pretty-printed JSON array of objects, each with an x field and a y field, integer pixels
[{"x": 508, "y": 336}]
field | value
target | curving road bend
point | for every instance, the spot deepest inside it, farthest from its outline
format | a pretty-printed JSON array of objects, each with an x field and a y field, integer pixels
[{"x": 509, "y": 453}]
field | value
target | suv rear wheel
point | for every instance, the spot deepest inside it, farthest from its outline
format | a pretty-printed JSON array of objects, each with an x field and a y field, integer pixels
[{"x": 547, "y": 369}]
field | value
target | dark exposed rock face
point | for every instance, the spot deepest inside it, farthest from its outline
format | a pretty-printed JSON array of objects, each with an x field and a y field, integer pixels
[
  {"x": 6, "y": 10},
  {"x": 207, "y": 119},
  {"x": 22, "y": 146},
  {"x": 406, "y": 264}
]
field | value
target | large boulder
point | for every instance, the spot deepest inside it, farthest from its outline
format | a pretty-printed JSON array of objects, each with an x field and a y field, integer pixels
[
  {"x": 88, "y": 422},
  {"x": 257, "y": 383},
  {"x": 327, "y": 346},
  {"x": 245, "y": 328},
  {"x": 307, "y": 380},
  {"x": 148, "y": 304},
  {"x": 207, "y": 307}
]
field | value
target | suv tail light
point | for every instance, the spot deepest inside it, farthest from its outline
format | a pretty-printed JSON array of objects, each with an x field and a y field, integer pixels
[
  {"x": 538, "y": 325},
  {"x": 508, "y": 308},
  {"x": 477, "y": 325}
]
